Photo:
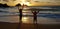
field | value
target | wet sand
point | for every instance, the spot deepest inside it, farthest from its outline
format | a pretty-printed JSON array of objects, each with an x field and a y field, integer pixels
[
  {"x": 11, "y": 22},
  {"x": 6, "y": 25}
]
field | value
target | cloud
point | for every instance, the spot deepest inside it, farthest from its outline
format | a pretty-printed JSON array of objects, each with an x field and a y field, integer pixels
[
  {"x": 6, "y": 0},
  {"x": 14, "y": 2},
  {"x": 9, "y": 2}
]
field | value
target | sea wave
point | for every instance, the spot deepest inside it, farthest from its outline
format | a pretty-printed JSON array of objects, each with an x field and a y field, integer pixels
[{"x": 14, "y": 11}]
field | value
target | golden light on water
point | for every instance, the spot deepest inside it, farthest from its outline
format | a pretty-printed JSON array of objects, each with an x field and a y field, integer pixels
[
  {"x": 23, "y": 11},
  {"x": 25, "y": 19}
]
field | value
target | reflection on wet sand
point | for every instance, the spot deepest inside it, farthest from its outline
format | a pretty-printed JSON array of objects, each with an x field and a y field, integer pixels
[
  {"x": 27, "y": 23},
  {"x": 41, "y": 20},
  {"x": 26, "y": 20},
  {"x": 42, "y": 23}
]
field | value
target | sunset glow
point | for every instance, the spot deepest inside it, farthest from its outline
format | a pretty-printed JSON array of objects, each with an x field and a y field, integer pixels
[
  {"x": 24, "y": 2},
  {"x": 32, "y": 2},
  {"x": 24, "y": 19}
]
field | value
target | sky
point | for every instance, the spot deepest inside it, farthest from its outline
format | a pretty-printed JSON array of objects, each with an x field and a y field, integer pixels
[
  {"x": 32, "y": 2},
  {"x": 10, "y": 2},
  {"x": 46, "y": 2}
]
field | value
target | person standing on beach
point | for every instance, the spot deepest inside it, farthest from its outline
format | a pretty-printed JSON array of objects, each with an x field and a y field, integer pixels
[
  {"x": 20, "y": 15},
  {"x": 20, "y": 11},
  {"x": 35, "y": 15}
]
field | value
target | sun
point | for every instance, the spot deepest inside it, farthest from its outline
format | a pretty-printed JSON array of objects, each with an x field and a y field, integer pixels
[{"x": 25, "y": 2}]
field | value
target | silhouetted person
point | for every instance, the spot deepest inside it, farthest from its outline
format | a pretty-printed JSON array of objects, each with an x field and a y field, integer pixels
[
  {"x": 20, "y": 14},
  {"x": 35, "y": 15},
  {"x": 20, "y": 11},
  {"x": 20, "y": 18}
]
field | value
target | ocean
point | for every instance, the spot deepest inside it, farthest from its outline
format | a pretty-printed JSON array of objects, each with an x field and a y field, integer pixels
[{"x": 11, "y": 14}]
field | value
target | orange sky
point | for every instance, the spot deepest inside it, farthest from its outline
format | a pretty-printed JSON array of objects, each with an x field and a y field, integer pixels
[{"x": 32, "y": 3}]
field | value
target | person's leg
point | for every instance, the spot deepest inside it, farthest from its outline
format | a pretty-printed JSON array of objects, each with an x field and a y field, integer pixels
[{"x": 20, "y": 18}]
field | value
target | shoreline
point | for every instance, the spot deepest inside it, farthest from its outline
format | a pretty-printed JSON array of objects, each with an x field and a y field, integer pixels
[{"x": 6, "y": 25}]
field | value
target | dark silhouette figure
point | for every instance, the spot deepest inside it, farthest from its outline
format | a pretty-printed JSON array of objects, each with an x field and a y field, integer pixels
[
  {"x": 35, "y": 15},
  {"x": 35, "y": 19},
  {"x": 20, "y": 11},
  {"x": 20, "y": 16}
]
